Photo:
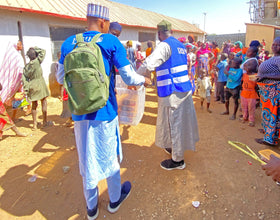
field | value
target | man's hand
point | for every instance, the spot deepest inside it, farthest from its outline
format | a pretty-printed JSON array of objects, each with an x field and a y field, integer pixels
[
  {"x": 272, "y": 168},
  {"x": 147, "y": 82}
]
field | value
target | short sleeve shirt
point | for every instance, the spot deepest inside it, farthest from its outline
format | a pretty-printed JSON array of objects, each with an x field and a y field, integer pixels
[
  {"x": 234, "y": 78},
  {"x": 114, "y": 54},
  {"x": 248, "y": 87},
  {"x": 221, "y": 76}
]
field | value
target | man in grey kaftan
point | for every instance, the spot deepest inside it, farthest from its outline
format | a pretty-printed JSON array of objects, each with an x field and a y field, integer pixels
[{"x": 177, "y": 128}]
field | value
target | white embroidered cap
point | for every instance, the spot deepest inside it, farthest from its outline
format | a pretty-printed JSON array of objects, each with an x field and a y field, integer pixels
[{"x": 98, "y": 11}]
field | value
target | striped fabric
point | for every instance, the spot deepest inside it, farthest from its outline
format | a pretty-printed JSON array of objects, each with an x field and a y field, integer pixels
[
  {"x": 178, "y": 69},
  {"x": 98, "y": 11},
  {"x": 10, "y": 72},
  {"x": 176, "y": 79}
]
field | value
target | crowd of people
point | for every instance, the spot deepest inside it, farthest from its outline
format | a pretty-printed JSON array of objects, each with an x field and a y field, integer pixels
[
  {"x": 236, "y": 71},
  {"x": 180, "y": 68},
  {"x": 251, "y": 76}
]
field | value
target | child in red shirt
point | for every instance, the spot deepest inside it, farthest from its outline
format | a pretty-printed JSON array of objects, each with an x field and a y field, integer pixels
[
  {"x": 266, "y": 55},
  {"x": 249, "y": 93}
]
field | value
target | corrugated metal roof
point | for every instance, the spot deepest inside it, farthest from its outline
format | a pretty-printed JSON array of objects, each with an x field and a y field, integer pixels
[{"x": 76, "y": 9}]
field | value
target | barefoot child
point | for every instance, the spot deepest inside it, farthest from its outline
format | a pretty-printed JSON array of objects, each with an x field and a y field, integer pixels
[
  {"x": 34, "y": 84},
  {"x": 204, "y": 88},
  {"x": 248, "y": 92},
  {"x": 233, "y": 85}
]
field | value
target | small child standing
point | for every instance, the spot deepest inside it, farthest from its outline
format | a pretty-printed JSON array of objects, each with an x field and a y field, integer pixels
[
  {"x": 233, "y": 85},
  {"x": 204, "y": 88},
  {"x": 221, "y": 78},
  {"x": 230, "y": 58},
  {"x": 248, "y": 92},
  {"x": 266, "y": 55},
  {"x": 191, "y": 65}
]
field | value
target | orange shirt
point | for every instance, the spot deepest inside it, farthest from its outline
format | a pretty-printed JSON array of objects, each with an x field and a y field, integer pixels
[
  {"x": 148, "y": 51},
  {"x": 236, "y": 50},
  {"x": 216, "y": 51},
  {"x": 248, "y": 88}
]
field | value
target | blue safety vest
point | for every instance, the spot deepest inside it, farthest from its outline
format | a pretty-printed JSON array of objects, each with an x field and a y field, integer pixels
[{"x": 172, "y": 75}]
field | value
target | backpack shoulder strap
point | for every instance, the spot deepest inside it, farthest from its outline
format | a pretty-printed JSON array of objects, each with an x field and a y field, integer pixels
[
  {"x": 95, "y": 38},
  {"x": 79, "y": 38}
]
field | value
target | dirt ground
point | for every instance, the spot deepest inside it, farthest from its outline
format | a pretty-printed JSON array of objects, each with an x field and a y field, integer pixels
[{"x": 40, "y": 176}]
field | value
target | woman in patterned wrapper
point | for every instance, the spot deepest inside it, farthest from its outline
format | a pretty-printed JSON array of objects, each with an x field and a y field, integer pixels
[
  {"x": 202, "y": 57},
  {"x": 269, "y": 85}
]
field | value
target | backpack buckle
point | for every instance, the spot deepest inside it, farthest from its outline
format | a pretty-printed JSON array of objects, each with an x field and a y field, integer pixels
[{"x": 101, "y": 77}]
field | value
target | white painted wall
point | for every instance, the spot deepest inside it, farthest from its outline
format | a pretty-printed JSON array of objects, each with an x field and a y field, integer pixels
[
  {"x": 128, "y": 34},
  {"x": 35, "y": 31},
  {"x": 8, "y": 31}
]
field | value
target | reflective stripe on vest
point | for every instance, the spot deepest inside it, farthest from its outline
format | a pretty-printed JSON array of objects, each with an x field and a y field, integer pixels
[
  {"x": 172, "y": 75},
  {"x": 180, "y": 79}
]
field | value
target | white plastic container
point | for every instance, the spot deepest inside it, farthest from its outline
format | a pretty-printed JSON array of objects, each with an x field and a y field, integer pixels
[
  {"x": 120, "y": 83},
  {"x": 131, "y": 103}
]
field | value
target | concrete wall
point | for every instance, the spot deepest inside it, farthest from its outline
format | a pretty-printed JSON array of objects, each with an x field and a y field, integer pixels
[
  {"x": 130, "y": 33},
  {"x": 270, "y": 13},
  {"x": 259, "y": 32},
  {"x": 221, "y": 38},
  {"x": 35, "y": 31},
  {"x": 270, "y": 9}
]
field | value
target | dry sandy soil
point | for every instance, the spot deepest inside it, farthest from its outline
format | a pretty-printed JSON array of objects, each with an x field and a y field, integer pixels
[{"x": 227, "y": 183}]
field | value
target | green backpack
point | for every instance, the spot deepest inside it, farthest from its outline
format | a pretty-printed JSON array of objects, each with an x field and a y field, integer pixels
[{"x": 85, "y": 80}]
